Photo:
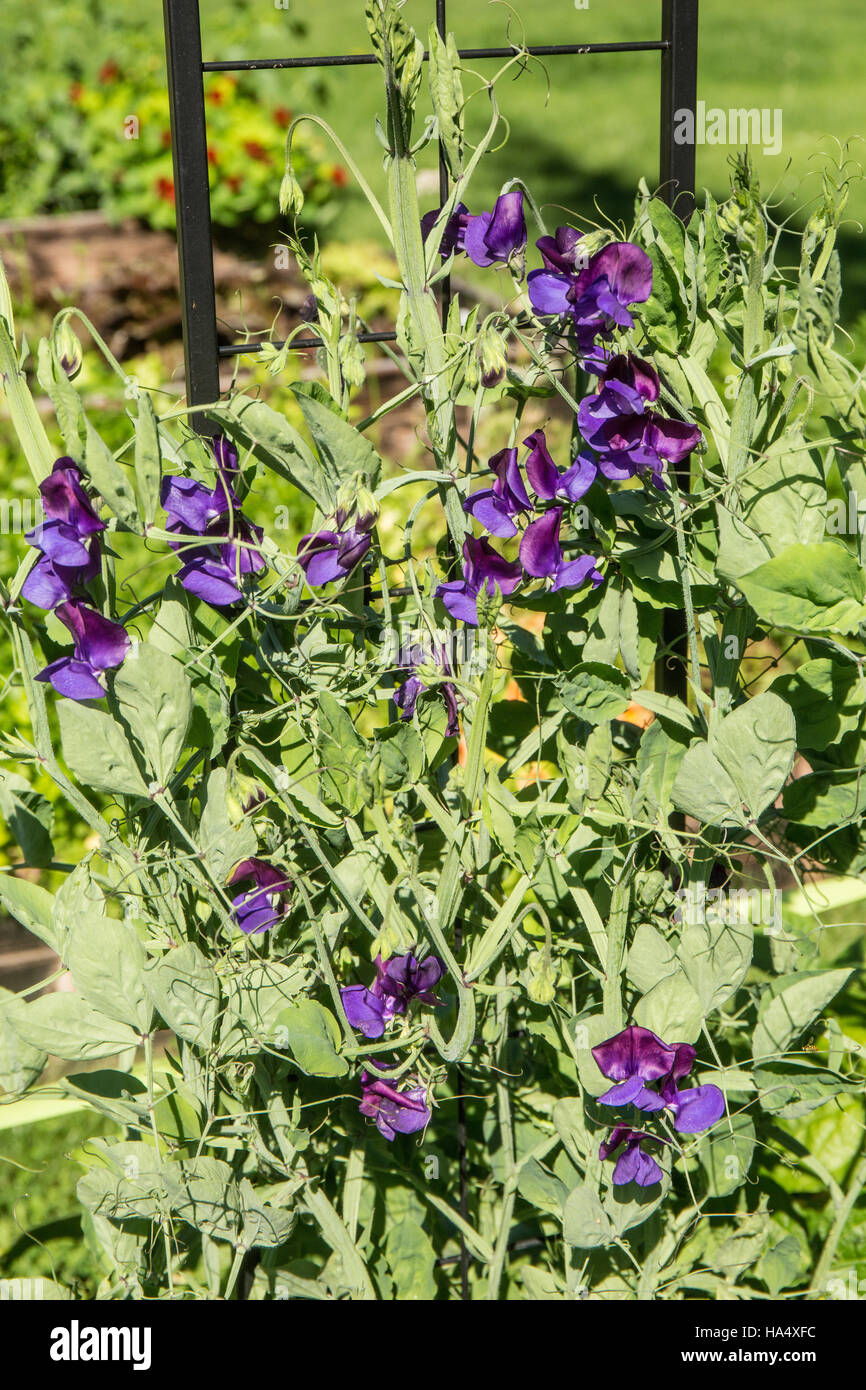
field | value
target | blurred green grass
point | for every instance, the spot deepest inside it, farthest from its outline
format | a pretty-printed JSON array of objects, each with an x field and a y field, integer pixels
[{"x": 597, "y": 132}]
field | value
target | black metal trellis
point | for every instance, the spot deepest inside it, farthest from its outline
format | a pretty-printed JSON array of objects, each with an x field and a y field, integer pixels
[{"x": 678, "y": 47}]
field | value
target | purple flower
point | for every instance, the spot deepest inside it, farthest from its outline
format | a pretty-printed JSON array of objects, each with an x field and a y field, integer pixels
[
  {"x": 69, "y": 521},
  {"x": 626, "y": 436},
  {"x": 597, "y": 297},
  {"x": 499, "y": 235},
  {"x": 395, "y": 1112},
  {"x": 483, "y": 572},
  {"x": 545, "y": 478},
  {"x": 495, "y": 506},
  {"x": 50, "y": 583},
  {"x": 98, "y": 645},
  {"x": 328, "y": 555},
  {"x": 397, "y": 981},
  {"x": 261, "y": 907},
  {"x": 635, "y": 1057},
  {"x": 225, "y": 453},
  {"x": 192, "y": 507},
  {"x": 455, "y": 229},
  {"x": 561, "y": 252},
  {"x": 406, "y": 696},
  {"x": 633, "y": 1165},
  {"x": 541, "y": 555},
  {"x": 221, "y": 544}
]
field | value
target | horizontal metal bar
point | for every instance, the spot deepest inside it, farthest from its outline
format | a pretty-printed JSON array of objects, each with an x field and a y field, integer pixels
[
  {"x": 354, "y": 60},
  {"x": 238, "y": 349}
]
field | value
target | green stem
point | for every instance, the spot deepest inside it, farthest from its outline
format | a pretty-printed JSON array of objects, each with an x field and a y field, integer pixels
[{"x": 828, "y": 1252}]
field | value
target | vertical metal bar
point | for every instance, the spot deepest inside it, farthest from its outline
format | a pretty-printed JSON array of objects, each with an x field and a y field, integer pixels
[
  {"x": 679, "y": 92},
  {"x": 192, "y": 204}
]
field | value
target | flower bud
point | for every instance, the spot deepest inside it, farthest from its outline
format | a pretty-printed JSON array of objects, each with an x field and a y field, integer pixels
[
  {"x": 68, "y": 349},
  {"x": 291, "y": 194},
  {"x": 492, "y": 355}
]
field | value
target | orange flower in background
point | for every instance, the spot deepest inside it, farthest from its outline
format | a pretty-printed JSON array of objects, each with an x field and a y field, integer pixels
[
  {"x": 76, "y": 91},
  {"x": 636, "y": 714},
  {"x": 165, "y": 189},
  {"x": 283, "y": 116},
  {"x": 109, "y": 72},
  {"x": 512, "y": 691},
  {"x": 339, "y": 176}
]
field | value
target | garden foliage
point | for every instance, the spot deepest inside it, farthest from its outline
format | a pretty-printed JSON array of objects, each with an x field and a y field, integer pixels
[{"x": 375, "y": 842}]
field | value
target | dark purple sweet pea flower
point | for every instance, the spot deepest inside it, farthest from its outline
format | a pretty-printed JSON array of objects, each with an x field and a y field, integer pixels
[
  {"x": 98, "y": 645},
  {"x": 192, "y": 507},
  {"x": 218, "y": 543},
  {"x": 397, "y": 982},
  {"x": 69, "y": 518},
  {"x": 226, "y": 455},
  {"x": 494, "y": 507},
  {"x": 328, "y": 555},
  {"x": 395, "y": 1112},
  {"x": 561, "y": 252},
  {"x": 406, "y": 696},
  {"x": 483, "y": 572},
  {"x": 637, "y": 1056},
  {"x": 50, "y": 583},
  {"x": 259, "y": 908},
  {"x": 627, "y": 437},
  {"x": 499, "y": 235},
  {"x": 541, "y": 555},
  {"x": 598, "y": 296},
  {"x": 633, "y": 1165},
  {"x": 545, "y": 478},
  {"x": 455, "y": 229}
]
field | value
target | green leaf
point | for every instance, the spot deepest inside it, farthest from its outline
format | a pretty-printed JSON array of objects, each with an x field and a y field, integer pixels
[
  {"x": 411, "y": 1260},
  {"x": 148, "y": 459},
  {"x": 540, "y": 1188},
  {"x": 672, "y": 1009},
  {"x": 715, "y": 957},
  {"x": 255, "y": 426},
  {"x": 726, "y": 1155},
  {"x": 827, "y": 698},
  {"x": 651, "y": 958},
  {"x": 658, "y": 760},
  {"x": 155, "y": 696},
  {"x": 342, "y": 450},
  {"x": 30, "y": 817},
  {"x": 256, "y": 998},
  {"x": 313, "y": 1038},
  {"x": 184, "y": 989},
  {"x": 781, "y": 1265},
  {"x": 110, "y": 479},
  {"x": 20, "y": 1063},
  {"x": 96, "y": 750},
  {"x": 31, "y": 905},
  {"x": 809, "y": 588},
  {"x": 793, "y": 1003},
  {"x": 106, "y": 960},
  {"x": 65, "y": 1026},
  {"x": 595, "y": 692},
  {"x": 793, "y": 1090},
  {"x": 586, "y": 1224},
  {"x": 223, "y": 843},
  {"x": 825, "y": 799},
  {"x": 739, "y": 771}
]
